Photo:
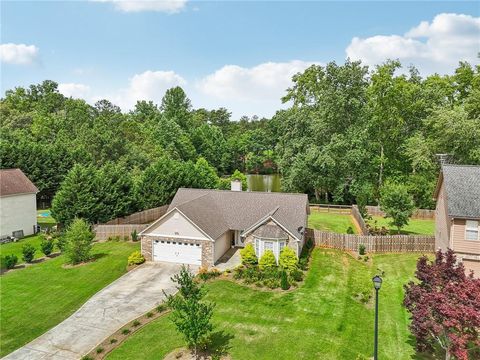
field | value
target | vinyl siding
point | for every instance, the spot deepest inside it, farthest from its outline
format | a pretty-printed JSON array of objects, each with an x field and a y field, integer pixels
[
  {"x": 472, "y": 265},
  {"x": 222, "y": 244},
  {"x": 176, "y": 225},
  {"x": 18, "y": 212},
  {"x": 459, "y": 244}
]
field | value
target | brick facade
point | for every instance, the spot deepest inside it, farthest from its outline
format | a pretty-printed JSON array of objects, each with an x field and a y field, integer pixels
[{"x": 207, "y": 248}]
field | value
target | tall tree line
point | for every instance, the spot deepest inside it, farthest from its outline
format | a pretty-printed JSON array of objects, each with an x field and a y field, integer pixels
[{"x": 349, "y": 129}]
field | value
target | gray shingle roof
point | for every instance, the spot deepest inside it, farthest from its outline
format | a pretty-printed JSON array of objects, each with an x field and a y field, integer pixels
[
  {"x": 268, "y": 231},
  {"x": 216, "y": 211},
  {"x": 14, "y": 181},
  {"x": 462, "y": 186}
]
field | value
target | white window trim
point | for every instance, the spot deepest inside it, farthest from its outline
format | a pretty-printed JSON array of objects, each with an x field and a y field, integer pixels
[
  {"x": 260, "y": 243},
  {"x": 473, "y": 227}
]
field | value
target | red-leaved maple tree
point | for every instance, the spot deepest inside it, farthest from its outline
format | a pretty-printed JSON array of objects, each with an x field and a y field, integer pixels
[{"x": 445, "y": 307}]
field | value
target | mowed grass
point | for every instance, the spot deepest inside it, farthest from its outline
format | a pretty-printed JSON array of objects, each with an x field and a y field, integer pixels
[
  {"x": 40, "y": 296},
  {"x": 414, "y": 227},
  {"x": 320, "y": 320},
  {"x": 15, "y": 248},
  {"x": 338, "y": 223}
]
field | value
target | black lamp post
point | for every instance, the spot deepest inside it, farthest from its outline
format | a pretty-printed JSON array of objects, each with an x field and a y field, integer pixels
[{"x": 377, "y": 284}]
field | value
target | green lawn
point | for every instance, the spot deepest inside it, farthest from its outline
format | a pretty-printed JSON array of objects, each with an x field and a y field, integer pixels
[
  {"x": 320, "y": 320},
  {"x": 39, "y": 297},
  {"x": 16, "y": 248},
  {"x": 338, "y": 223},
  {"x": 415, "y": 226}
]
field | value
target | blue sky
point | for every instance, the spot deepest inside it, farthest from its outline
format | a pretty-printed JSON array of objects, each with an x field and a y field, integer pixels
[{"x": 239, "y": 55}]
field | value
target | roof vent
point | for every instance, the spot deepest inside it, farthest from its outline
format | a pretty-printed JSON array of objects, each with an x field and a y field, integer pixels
[{"x": 236, "y": 185}]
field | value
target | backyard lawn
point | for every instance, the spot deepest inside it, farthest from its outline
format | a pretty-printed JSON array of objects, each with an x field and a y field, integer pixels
[
  {"x": 39, "y": 297},
  {"x": 326, "y": 221},
  {"x": 414, "y": 227},
  {"x": 15, "y": 248},
  {"x": 321, "y": 320}
]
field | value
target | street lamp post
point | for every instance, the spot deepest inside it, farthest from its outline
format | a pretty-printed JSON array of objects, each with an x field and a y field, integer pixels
[{"x": 377, "y": 284}]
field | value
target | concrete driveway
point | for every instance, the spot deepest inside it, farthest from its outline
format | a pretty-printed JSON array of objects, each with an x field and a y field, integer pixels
[{"x": 125, "y": 299}]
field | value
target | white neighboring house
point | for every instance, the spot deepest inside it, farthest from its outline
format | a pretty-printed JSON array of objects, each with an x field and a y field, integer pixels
[{"x": 18, "y": 203}]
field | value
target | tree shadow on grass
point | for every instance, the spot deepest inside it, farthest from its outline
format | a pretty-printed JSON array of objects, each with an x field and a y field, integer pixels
[
  {"x": 98, "y": 256},
  {"x": 219, "y": 343}
]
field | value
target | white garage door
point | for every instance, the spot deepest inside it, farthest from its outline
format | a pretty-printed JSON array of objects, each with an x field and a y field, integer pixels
[{"x": 177, "y": 252}]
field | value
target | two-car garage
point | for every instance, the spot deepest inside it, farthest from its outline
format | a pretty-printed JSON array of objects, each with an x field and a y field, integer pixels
[{"x": 177, "y": 251}]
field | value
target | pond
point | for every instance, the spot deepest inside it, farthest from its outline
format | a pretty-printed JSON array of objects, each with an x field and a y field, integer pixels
[{"x": 269, "y": 183}]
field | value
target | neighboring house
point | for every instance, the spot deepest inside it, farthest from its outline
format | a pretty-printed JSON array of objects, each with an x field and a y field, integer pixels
[
  {"x": 201, "y": 225},
  {"x": 457, "y": 217},
  {"x": 18, "y": 204}
]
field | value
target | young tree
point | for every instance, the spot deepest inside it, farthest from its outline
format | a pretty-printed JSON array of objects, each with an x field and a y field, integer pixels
[
  {"x": 190, "y": 314},
  {"x": 78, "y": 241},
  {"x": 445, "y": 307},
  {"x": 396, "y": 203}
]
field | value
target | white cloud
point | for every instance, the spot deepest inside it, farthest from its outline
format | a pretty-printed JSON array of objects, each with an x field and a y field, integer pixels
[
  {"x": 149, "y": 85},
  {"x": 167, "y": 6},
  {"x": 74, "y": 90},
  {"x": 435, "y": 46},
  {"x": 252, "y": 91},
  {"x": 19, "y": 54}
]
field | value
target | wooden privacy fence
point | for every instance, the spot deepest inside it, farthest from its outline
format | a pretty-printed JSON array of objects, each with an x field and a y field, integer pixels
[
  {"x": 389, "y": 243},
  {"x": 359, "y": 219},
  {"x": 417, "y": 214},
  {"x": 103, "y": 232},
  {"x": 141, "y": 217},
  {"x": 339, "y": 209}
]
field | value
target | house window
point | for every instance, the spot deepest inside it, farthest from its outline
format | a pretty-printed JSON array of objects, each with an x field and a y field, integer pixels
[
  {"x": 257, "y": 247},
  {"x": 471, "y": 230},
  {"x": 268, "y": 245},
  {"x": 281, "y": 245}
]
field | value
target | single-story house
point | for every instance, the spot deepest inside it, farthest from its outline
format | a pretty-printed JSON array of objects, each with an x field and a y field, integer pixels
[
  {"x": 201, "y": 225},
  {"x": 18, "y": 204},
  {"x": 457, "y": 214}
]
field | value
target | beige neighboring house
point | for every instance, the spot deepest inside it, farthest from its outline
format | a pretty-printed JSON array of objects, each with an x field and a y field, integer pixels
[
  {"x": 457, "y": 217},
  {"x": 18, "y": 204},
  {"x": 201, "y": 225}
]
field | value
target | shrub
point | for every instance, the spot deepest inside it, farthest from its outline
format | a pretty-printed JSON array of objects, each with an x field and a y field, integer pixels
[
  {"x": 28, "y": 252},
  {"x": 303, "y": 263},
  {"x": 350, "y": 230},
  {"x": 252, "y": 274},
  {"x": 115, "y": 238},
  {"x": 238, "y": 272},
  {"x": 10, "y": 261},
  {"x": 61, "y": 242},
  {"x": 113, "y": 341},
  {"x": 205, "y": 275},
  {"x": 78, "y": 242},
  {"x": 46, "y": 246},
  {"x": 271, "y": 283},
  {"x": 248, "y": 255},
  {"x": 86, "y": 357},
  {"x": 284, "y": 281},
  {"x": 136, "y": 258},
  {"x": 288, "y": 259},
  {"x": 161, "y": 307},
  {"x": 125, "y": 331},
  {"x": 99, "y": 350},
  {"x": 296, "y": 275},
  {"x": 361, "y": 249},
  {"x": 136, "y": 323},
  {"x": 268, "y": 260},
  {"x": 134, "y": 235},
  {"x": 149, "y": 314}
]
